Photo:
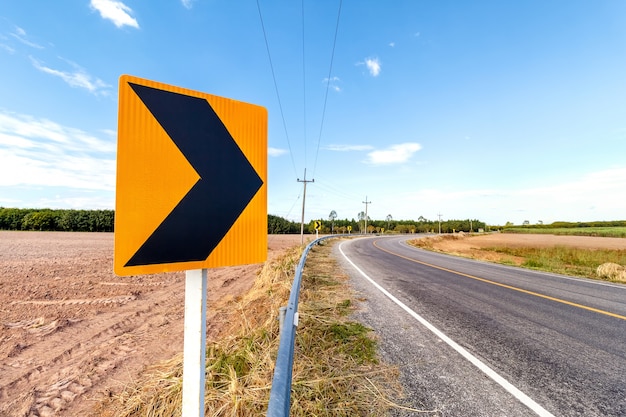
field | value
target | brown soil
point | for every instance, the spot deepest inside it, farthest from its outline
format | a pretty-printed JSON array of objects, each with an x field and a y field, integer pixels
[
  {"x": 473, "y": 245},
  {"x": 73, "y": 333}
]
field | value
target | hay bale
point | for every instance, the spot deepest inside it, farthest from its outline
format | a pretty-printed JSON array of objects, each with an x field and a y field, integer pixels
[{"x": 612, "y": 270}]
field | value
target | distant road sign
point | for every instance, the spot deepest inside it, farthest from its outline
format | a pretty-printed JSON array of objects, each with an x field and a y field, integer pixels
[
  {"x": 191, "y": 180},
  {"x": 318, "y": 225}
]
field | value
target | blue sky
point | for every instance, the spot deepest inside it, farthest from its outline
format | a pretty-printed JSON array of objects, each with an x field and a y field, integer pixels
[{"x": 492, "y": 110}]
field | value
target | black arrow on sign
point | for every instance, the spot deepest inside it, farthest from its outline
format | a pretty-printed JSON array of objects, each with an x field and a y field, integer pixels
[{"x": 227, "y": 183}]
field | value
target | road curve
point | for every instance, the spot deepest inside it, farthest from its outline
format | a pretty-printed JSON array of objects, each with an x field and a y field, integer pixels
[{"x": 560, "y": 341}]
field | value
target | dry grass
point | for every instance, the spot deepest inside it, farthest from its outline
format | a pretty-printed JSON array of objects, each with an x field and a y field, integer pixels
[
  {"x": 564, "y": 260},
  {"x": 612, "y": 271},
  {"x": 336, "y": 371},
  {"x": 558, "y": 259},
  {"x": 614, "y": 231}
]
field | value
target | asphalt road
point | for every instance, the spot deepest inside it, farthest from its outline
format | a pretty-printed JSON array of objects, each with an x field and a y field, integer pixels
[{"x": 512, "y": 342}]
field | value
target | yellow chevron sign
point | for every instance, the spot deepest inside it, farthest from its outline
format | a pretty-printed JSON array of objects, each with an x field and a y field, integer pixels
[{"x": 191, "y": 187}]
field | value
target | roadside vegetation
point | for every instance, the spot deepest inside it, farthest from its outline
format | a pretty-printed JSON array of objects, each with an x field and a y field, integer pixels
[
  {"x": 579, "y": 231},
  {"x": 564, "y": 260},
  {"x": 57, "y": 220},
  {"x": 599, "y": 229},
  {"x": 336, "y": 369},
  {"x": 607, "y": 264},
  {"x": 69, "y": 220},
  {"x": 334, "y": 225}
]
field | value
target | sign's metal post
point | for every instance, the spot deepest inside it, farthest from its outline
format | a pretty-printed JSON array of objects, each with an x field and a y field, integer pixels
[{"x": 194, "y": 349}]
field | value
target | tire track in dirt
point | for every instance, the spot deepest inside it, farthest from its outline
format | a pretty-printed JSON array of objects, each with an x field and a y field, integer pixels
[
  {"x": 60, "y": 372},
  {"x": 110, "y": 300},
  {"x": 73, "y": 334}
]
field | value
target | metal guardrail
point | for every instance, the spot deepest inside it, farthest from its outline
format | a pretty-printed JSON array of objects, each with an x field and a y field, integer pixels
[{"x": 280, "y": 395}]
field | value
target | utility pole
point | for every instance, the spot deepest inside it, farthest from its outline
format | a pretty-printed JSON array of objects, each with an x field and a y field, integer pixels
[
  {"x": 366, "y": 203},
  {"x": 439, "y": 214},
  {"x": 303, "y": 201}
]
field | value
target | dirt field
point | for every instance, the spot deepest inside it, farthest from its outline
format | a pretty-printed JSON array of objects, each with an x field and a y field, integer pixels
[
  {"x": 72, "y": 332},
  {"x": 471, "y": 246}
]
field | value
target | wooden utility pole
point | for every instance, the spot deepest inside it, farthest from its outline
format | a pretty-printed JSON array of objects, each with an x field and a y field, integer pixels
[
  {"x": 366, "y": 203},
  {"x": 303, "y": 201}
]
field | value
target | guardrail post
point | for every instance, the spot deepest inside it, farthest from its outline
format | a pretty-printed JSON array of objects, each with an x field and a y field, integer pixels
[{"x": 281, "y": 318}]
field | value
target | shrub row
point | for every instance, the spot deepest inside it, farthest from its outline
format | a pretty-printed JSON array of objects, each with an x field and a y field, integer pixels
[
  {"x": 570, "y": 225},
  {"x": 103, "y": 221},
  {"x": 57, "y": 220}
]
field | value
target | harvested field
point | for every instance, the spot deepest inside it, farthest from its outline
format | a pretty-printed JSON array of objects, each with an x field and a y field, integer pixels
[
  {"x": 537, "y": 240},
  {"x": 73, "y": 333},
  {"x": 473, "y": 246}
]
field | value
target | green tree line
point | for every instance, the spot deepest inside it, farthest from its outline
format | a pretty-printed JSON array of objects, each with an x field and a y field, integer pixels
[
  {"x": 389, "y": 225},
  {"x": 569, "y": 225},
  {"x": 57, "y": 220},
  {"x": 278, "y": 224},
  {"x": 103, "y": 221}
]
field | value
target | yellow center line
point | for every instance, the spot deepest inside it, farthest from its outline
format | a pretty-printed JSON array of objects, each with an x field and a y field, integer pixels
[{"x": 510, "y": 287}]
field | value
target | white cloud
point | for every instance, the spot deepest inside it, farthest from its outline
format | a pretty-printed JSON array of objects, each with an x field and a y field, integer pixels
[
  {"x": 115, "y": 11},
  {"x": 76, "y": 78},
  {"x": 91, "y": 200},
  {"x": 392, "y": 44},
  {"x": 20, "y": 35},
  {"x": 592, "y": 196},
  {"x": 598, "y": 188},
  {"x": 9, "y": 202},
  {"x": 395, "y": 154},
  {"x": 373, "y": 66},
  {"x": 7, "y": 48},
  {"x": 187, "y": 3},
  {"x": 111, "y": 133},
  {"x": 39, "y": 152},
  {"x": 275, "y": 151},
  {"x": 348, "y": 148},
  {"x": 332, "y": 83}
]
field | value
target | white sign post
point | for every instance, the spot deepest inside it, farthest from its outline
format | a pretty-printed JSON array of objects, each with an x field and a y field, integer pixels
[
  {"x": 194, "y": 349},
  {"x": 176, "y": 145}
]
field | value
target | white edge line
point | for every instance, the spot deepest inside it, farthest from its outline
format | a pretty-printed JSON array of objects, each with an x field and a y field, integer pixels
[{"x": 523, "y": 398}]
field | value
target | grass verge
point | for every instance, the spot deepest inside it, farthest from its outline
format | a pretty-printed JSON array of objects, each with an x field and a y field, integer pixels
[
  {"x": 336, "y": 370},
  {"x": 558, "y": 259},
  {"x": 564, "y": 260},
  {"x": 616, "y": 231}
]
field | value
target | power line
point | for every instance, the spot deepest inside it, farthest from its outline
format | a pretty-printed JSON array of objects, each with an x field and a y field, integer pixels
[
  {"x": 303, "y": 86},
  {"x": 335, "y": 192},
  {"x": 329, "y": 187},
  {"x": 292, "y": 206},
  {"x": 330, "y": 69},
  {"x": 280, "y": 106},
  {"x": 291, "y": 154}
]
